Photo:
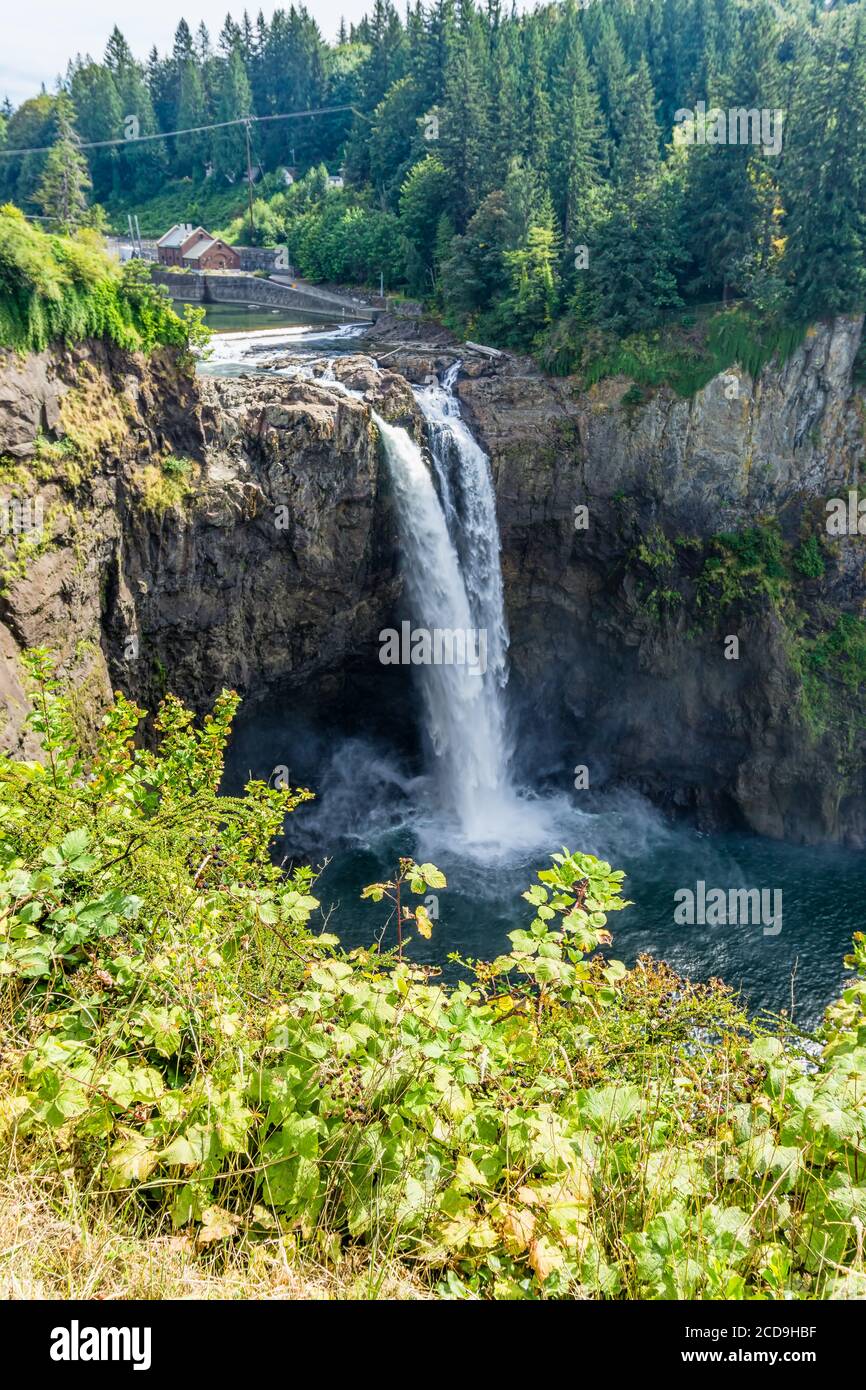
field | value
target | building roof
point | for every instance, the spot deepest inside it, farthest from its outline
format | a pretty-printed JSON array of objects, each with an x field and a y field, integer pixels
[
  {"x": 179, "y": 234},
  {"x": 176, "y": 234},
  {"x": 199, "y": 249}
]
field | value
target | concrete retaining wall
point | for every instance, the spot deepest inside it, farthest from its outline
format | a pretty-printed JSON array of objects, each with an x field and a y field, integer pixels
[{"x": 200, "y": 288}]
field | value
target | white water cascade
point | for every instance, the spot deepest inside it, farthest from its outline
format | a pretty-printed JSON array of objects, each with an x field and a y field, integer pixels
[
  {"x": 450, "y": 555},
  {"x": 449, "y": 543}
]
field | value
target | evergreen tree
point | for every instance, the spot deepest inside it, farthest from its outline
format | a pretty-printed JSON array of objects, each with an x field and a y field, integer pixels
[
  {"x": 395, "y": 141},
  {"x": 230, "y": 38},
  {"x": 160, "y": 77},
  {"x": 62, "y": 193},
  {"x": 537, "y": 116},
  {"x": 635, "y": 257},
  {"x": 94, "y": 95},
  {"x": 118, "y": 54},
  {"x": 636, "y": 159},
  {"x": 141, "y": 166},
  {"x": 579, "y": 144},
  {"x": 612, "y": 69},
  {"x": 192, "y": 148},
  {"x": 824, "y": 175},
  {"x": 439, "y": 40},
  {"x": 508, "y": 131},
  {"x": 235, "y": 102},
  {"x": 463, "y": 134},
  {"x": 731, "y": 191}
]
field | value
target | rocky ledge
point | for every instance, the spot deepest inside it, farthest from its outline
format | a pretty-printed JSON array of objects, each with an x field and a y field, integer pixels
[{"x": 222, "y": 532}]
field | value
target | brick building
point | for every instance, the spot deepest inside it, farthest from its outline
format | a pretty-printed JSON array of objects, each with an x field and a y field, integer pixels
[
  {"x": 209, "y": 253},
  {"x": 179, "y": 238},
  {"x": 196, "y": 249}
]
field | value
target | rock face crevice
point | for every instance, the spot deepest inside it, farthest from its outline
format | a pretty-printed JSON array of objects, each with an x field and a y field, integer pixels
[{"x": 275, "y": 565}]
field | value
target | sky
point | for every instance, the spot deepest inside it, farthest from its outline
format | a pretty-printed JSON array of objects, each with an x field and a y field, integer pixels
[{"x": 40, "y": 36}]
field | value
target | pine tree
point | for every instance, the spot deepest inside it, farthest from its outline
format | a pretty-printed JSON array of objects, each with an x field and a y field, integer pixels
[
  {"x": 731, "y": 193},
  {"x": 118, "y": 53},
  {"x": 230, "y": 37},
  {"x": 635, "y": 256},
  {"x": 235, "y": 102},
  {"x": 609, "y": 61},
  {"x": 508, "y": 131},
  {"x": 94, "y": 96},
  {"x": 160, "y": 76},
  {"x": 537, "y": 116},
  {"x": 463, "y": 134},
  {"x": 636, "y": 159},
  {"x": 141, "y": 166},
  {"x": 824, "y": 175},
  {"x": 183, "y": 50},
  {"x": 579, "y": 144},
  {"x": 62, "y": 193},
  {"x": 439, "y": 39},
  {"x": 191, "y": 149},
  {"x": 202, "y": 44}
]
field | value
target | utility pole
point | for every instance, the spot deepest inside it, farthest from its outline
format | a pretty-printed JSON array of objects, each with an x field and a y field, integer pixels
[{"x": 249, "y": 179}]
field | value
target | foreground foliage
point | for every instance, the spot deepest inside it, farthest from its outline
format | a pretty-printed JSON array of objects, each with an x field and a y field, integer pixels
[
  {"x": 183, "y": 1045},
  {"x": 66, "y": 288}
]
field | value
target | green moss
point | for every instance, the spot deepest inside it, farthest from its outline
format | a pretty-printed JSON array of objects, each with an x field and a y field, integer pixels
[
  {"x": 808, "y": 559},
  {"x": 168, "y": 486},
  {"x": 21, "y": 549},
  {"x": 832, "y": 667}
]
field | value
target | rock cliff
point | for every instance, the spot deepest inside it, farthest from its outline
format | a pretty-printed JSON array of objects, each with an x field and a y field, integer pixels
[
  {"x": 618, "y": 629},
  {"x": 209, "y": 532},
  {"x": 194, "y": 533}
]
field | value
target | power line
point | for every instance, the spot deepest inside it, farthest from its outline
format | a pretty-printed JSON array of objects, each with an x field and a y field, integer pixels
[{"x": 190, "y": 130}]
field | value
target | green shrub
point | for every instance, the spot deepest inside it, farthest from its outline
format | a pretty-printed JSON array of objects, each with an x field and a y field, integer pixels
[
  {"x": 55, "y": 288},
  {"x": 744, "y": 565},
  {"x": 808, "y": 559},
  {"x": 180, "y": 1039}
]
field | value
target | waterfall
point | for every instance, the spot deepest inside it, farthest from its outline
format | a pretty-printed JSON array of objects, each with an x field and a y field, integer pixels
[{"x": 453, "y": 582}]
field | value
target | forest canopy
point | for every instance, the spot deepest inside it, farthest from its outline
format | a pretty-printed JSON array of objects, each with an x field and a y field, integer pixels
[{"x": 534, "y": 177}]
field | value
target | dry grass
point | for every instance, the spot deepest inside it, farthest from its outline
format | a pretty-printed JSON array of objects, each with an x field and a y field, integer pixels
[{"x": 56, "y": 1245}]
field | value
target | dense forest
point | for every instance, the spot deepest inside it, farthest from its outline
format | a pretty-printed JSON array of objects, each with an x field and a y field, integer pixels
[{"x": 533, "y": 177}]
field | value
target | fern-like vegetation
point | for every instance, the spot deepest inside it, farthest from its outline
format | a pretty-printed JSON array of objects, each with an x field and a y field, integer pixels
[{"x": 64, "y": 289}]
